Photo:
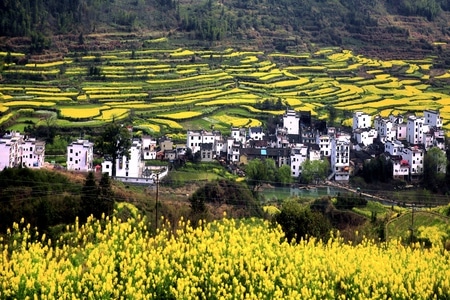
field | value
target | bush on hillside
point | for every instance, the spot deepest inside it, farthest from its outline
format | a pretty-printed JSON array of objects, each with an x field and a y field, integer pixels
[{"x": 236, "y": 197}]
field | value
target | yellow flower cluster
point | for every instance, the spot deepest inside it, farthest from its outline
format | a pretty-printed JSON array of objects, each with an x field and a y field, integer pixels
[{"x": 227, "y": 259}]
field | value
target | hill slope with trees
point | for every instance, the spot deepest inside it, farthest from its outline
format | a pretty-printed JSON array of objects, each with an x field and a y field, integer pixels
[{"x": 377, "y": 27}]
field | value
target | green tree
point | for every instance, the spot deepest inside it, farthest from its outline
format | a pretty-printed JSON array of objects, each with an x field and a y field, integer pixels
[
  {"x": 313, "y": 170},
  {"x": 299, "y": 222},
  {"x": 105, "y": 195},
  {"x": 89, "y": 196},
  {"x": 114, "y": 142},
  {"x": 284, "y": 176},
  {"x": 434, "y": 165},
  {"x": 259, "y": 172}
]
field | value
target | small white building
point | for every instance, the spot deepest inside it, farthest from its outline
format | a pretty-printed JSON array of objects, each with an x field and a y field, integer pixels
[
  {"x": 149, "y": 147},
  {"x": 256, "y": 133},
  {"x": 18, "y": 150},
  {"x": 33, "y": 153},
  {"x": 324, "y": 143},
  {"x": 80, "y": 156},
  {"x": 340, "y": 157},
  {"x": 299, "y": 154},
  {"x": 385, "y": 128},
  {"x": 394, "y": 148},
  {"x": 414, "y": 130},
  {"x": 291, "y": 121},
  {"x": 361, "y": 120},
  {"x": 196, "y": 138},
  {"x": 11, "y": 150},
  {"x": 239, "y": 135},
  {"x": 432, "y": 118},
  {"x": 400, "y": 167},
  {"x": 414, "y": 156},
  {"x": 365, "y": 136}
]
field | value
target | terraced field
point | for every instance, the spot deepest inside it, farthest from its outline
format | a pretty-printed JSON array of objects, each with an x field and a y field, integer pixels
[{"x": 167, "y": 91}]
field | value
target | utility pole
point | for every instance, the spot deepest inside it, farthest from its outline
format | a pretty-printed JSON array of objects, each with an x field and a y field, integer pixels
[
  {"x": 412, "y": 225},
  {"x": 156, "y": 179}
]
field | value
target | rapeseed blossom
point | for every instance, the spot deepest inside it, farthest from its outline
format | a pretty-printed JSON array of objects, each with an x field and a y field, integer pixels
[{"x": 227, "y": 259}]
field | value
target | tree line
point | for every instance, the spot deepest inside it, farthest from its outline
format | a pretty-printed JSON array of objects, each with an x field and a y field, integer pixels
[
  {"x": 206, "y": 20},
  {"x": 46, "y": 199}
]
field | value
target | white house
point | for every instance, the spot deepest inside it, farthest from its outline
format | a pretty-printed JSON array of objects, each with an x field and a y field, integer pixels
[
  {"x": 80, "y": 156},
  {"x": 127, "y": 168},
  {"x": 299, "y": 154},
  {"x": 340, "y": 157},
  {"x": 400, "y": 167},
  {"x": 149, "y": 146},
  {"x": 256, "y": 133},
  {"x": 385, "y": 129},
  {"x": 394, "y": 148},
  {"x": 33, "y": 153},
  {"x": 239, "y": 135},
  {"x": 414, "y": 156},
  {"x": 196, "y": 138},
  {"x": 432, "y": 118},
  {"x": 365, "y": 136},
  {"x": 361, "y": 120},
  {"x": 18, "y": 150},
  {"x": 324, "y": 143},
  {"x": 291, "y": 121},
  {"x": 414, "y": 130},
  {"x": 11, "y": 150}
]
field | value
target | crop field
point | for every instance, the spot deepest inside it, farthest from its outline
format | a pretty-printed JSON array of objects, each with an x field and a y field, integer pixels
[
  {"x": 183, "y": 85},
  {"x": 227, "y": 259}
]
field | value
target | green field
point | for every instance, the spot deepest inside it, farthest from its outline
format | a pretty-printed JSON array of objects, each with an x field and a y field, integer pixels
[
  {"x": 199, "y": 89},
  {"x": 401, "y": 227}
]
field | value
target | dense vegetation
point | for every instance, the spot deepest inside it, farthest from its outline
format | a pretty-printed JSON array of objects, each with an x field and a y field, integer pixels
[
  {"x": 282, "y": 25},
  {"x": 226, "y": 259},
  {"x": 46, "y": 198}
]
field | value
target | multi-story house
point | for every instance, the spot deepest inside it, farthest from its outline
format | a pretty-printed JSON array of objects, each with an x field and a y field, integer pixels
[
  {"x": 385, "y": 129},
  {"x": 340, "y": 157},
  {"x": 238, "y": 135},
  {"x": 400, "y": 167},
  {"x": 11, "y": 150},
  {"x": 361, "y": 120},
  {"x": 33, "y": 153},
  {"x": 80, "y": 156},
  {"x": 432, "y": 118},
  {"x": 149, "y": 147},
  {"x": 207, "y": 152},
  {"x": 18, "y": 150},
  {"x": 299, "y": 154},
  {"x": 324, "y": 143},
  {"x": 196, "y": 138},
  {"x": 256, "y": 133},
  {"x": 365, "y": 136},
  {"x": 127, "y": 167},
  {"x": 414, "y": 155},
  {"x": 291, "y": 121},
  {"x": 307, "y": 135},
  {"x": 414, "y": 130},
  {"x": 394, "y": 148}
]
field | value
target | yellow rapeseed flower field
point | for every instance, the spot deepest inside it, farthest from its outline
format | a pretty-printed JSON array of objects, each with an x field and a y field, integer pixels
[{"x": 227, "y": 259}]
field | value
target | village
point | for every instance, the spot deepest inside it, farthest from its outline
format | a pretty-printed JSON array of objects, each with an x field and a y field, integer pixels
[{"x": 402, "y": 140}]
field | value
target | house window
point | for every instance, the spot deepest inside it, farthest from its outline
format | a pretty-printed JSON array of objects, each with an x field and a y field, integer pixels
[
  {"x": 76, "y": 161},
  {"x": 71, "y": 150},
  {"x": 70, "y": 159}
]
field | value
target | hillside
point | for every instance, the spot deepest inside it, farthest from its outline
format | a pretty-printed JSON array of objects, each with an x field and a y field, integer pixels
[{"x": 382, "y": 28}]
